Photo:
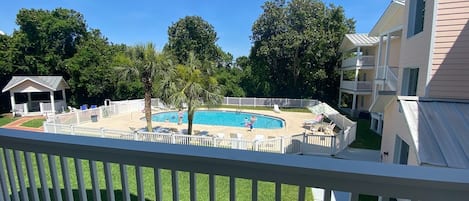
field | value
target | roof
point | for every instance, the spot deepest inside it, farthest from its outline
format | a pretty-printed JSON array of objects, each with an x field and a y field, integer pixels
[
  {"x": 351, "y": 41},
  {"x": 50, "y": 82},
  {"x": 439, "y": 130},
  {"x": 391, "y": 20}
]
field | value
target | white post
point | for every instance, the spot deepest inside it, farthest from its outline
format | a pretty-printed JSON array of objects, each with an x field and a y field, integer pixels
[
  {"x": 378, "y": 59},
  {"x": 12, "y": 99},
  {"x": 357, "y": 62},
  {"x": 356, "y": 79},
  {"x": 254, "y": 101},
  {"x": 29, "y": 101},
  {"x": 173, "y": 139},
  {"x": 386, "y": 58},
  {"x": 354, "y": 102},
  {"x": 64, "y": 97},
  {"x": 100, "y": 112},
  {"x": 256, "y": 146},
  {"x": 282, "y": 145},
  {"x": 301, "y": 102},
  {"x": 52, "y": 101},
  {"x": 78, "y": 116},
  {"x": 102, "y": 132},
  {"x": 72, "y": 129}
]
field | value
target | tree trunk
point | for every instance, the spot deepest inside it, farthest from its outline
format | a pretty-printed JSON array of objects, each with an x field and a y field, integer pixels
[
  {"x": 190, "y": 117},
  {"x": 148, "y": 89}
]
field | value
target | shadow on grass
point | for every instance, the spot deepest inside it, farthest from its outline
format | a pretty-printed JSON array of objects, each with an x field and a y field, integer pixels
[{"x": 89, "y": 195}]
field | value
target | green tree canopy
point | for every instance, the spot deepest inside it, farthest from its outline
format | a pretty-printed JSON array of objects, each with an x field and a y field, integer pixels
[
  {"x": 296, "y": 48},
  {"x": 193, "y": 34}
]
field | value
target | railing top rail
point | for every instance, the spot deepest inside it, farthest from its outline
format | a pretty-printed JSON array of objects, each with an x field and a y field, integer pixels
[{"x": 426, "y": 183}]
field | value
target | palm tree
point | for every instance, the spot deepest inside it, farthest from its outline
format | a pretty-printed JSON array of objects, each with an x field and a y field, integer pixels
[
  {"x": 192, "y": 85},
  {"x": 144, "y": 62}
]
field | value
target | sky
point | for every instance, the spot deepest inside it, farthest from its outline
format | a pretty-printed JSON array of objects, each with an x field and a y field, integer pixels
[{"x": 137, "y": 22}]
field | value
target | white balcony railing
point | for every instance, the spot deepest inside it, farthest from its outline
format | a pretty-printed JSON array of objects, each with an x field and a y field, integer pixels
[
  {"x": 388, "y": 74},
  {"x": 22, "y": 171},
  {"x": 356, "y": 86},
  {"x": 358, "y": 61}
]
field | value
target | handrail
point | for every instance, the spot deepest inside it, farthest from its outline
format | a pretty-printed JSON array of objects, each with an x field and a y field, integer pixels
[{"x": 419, "y": 183}]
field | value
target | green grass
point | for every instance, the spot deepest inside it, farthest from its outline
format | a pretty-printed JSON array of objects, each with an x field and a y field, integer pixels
[
  {"x": 243, "y": 186},
  {"x": 33, "y": 123},
  {"x": 295, "y": 109},
  {"x": 5, "y": 119},
  {"x": 365, "y": 138}
]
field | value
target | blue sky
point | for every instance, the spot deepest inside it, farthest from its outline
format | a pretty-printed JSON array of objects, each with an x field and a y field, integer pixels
[{"x": 133, "y": 22}]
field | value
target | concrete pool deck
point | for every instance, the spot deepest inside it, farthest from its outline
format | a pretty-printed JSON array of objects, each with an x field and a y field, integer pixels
[{"x": 293, "y": 124}]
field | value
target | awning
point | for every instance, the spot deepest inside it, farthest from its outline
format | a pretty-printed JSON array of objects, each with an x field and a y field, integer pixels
[
  {"x": 439, "y": 131},
  {"x": 382, "y": 100}
]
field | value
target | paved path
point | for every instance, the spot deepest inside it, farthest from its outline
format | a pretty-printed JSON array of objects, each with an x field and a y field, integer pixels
[{"x": 17, "y": 124}]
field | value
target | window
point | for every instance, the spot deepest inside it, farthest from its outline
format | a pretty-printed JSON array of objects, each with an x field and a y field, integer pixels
[
  {"x": 416, "y": 17},
  {"x": 409, "y": 81},
  {"x": 401, "y": 151}
]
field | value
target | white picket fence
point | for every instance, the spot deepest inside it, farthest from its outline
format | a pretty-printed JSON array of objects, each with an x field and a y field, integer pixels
[
  {"x": 301, "y": 143},
  {"x": 269, "y": 102}
]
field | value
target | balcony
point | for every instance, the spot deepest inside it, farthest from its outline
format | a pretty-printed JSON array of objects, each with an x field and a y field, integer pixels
[
  {"x": 107, "y": 162},
  {"x": 358, "y": 86},
  {"x": 358, "y": 61},
  {"x": 388, "y": 74}
]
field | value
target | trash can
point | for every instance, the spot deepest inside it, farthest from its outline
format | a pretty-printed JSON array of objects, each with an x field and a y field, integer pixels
[{"x": 94, "y": 118}]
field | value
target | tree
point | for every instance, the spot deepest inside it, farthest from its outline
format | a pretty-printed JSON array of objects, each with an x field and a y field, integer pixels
[
  {"x": 45, "y": 39},
  {"x": 296, "y": 48},
  {"x": 192, "y": 86},
  {"x": 144, "y": 62},
  {"x": 192, "y": 34}
]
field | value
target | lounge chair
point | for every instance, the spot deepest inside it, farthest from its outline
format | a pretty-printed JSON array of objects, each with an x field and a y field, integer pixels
[
  {"x": 276, "y": 108},
  {"x": 311, "y": 122}
]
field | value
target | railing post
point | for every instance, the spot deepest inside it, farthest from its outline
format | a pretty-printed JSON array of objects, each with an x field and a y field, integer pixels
[
  {"x": 256, "y": 146},
  {"x": 333, "y": 145},
  {"x": 254, "y": 101},
  {"x": 282, "y": 145},
  {"x": 214, "y": 142},
  {"x": 100, "y": 112},
  {"x": 173, "y": 139},
  {"x": 78, "y": 116},
  {"x": 301, "y": 102},
  {"x": 72, "y": 129},
  {"x": 102, "y": 132},
  {"x": 135, "y": 135}
]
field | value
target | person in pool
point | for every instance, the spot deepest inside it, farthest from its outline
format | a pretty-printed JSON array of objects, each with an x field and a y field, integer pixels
[
  {"x": 251, "y": 124},
  {"x": 180, "y": 115}
]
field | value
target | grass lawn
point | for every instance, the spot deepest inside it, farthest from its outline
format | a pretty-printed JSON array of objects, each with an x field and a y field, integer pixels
[
  {"x": 294, "y": 109},
  {"x": 243, "y": 186},
  {"x": 33, "y": 123},
  {"x": 366, "y": 139},
  {"x": 6, "y": 119}
]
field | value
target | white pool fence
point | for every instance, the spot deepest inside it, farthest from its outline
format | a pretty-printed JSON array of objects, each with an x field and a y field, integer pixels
[{"x": 295, "y": 144}]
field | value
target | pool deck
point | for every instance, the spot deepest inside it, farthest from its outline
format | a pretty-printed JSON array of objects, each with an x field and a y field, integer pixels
[{"x": 293, "y": 124}]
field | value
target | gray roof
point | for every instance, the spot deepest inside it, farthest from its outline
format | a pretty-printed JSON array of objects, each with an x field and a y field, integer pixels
[
  {"x": 362, "y": 39},
  {"x": 51, "y": 82},
  {"x": 439, "y": 130}
]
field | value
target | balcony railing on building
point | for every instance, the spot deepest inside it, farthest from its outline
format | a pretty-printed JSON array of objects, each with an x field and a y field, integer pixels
[
  {"x": 361, "y": 86},
  {"x": 388, "y": 74},
  {"x": 359, "y": 61},
  {"x": 31, "y": 164}
]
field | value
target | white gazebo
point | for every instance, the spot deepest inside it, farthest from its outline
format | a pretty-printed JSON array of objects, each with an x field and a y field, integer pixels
[{"x": 36, "y": 89}]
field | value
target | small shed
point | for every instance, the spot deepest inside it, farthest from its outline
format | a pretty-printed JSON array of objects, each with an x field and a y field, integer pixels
[{"x": 36, "y": 94}]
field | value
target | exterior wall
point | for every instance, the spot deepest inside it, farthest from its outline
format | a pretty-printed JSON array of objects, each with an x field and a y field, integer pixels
[
  {"x": 450, "y": 67},
  {"x": 395, "y": 125},
  {"x": 367, "y": 101},
  {"x": 415, "y": 50},
  {"x": 395, "y": 52}
]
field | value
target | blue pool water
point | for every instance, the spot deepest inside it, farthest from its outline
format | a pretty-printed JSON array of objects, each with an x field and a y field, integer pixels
[{"x": 222, "y": 118}]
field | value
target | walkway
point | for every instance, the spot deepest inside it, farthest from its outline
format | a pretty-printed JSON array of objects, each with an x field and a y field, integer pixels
[{"x": 17, "y": 124}]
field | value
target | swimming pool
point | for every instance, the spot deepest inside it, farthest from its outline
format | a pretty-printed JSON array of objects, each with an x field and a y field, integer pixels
[{"x": 222, "y": 118}]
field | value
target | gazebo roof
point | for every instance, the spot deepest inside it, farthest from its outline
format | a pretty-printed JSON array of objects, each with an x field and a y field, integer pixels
[{"x": 53, "y": 83}]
